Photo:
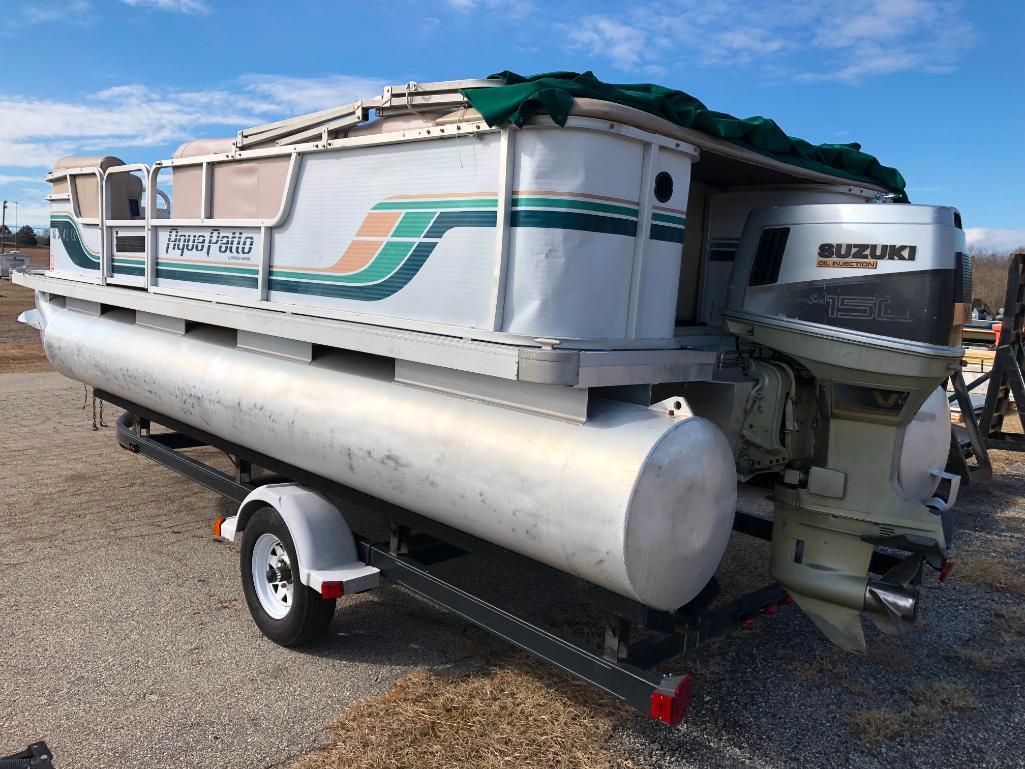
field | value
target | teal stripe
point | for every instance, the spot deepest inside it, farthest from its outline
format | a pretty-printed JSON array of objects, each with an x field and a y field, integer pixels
[
  {"x": 372, "y": 293},
  {"x": 207, "y": 277},
  {"x": 384, "y": 264},
  {"x": 434, "y": 205},
  {"x": 583, "y": 205},
  {"x": 413, "y": 224},
  {"x": 207, "y": 267},
  {"x": 666, "y": 234},
  {"x": 450, "y": 220},
  {"x": 680, "y": 221},
  {"x": 574, "y": 220},
  {"x": 70, "y": 236}
]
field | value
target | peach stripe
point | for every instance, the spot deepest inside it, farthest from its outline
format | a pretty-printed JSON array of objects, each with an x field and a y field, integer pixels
[
  {"x": 357, "y": 256},
  {"x": 378, "y": 224},
  {"x": 516, "y": 192},
  {"x": 575, "y": 195}
]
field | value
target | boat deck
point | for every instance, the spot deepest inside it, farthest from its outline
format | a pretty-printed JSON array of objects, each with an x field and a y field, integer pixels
[{"x": 293, "y": 333}]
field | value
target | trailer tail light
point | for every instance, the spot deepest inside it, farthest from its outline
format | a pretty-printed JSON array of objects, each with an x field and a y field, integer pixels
[
  {"x": 217, "y": 525},
  {"x": 669, "y": 703},
  {"x": 334, "y": 589}
]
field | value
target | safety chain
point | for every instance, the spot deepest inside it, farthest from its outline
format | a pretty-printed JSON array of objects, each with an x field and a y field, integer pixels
[{"x": 85, "y": 401}]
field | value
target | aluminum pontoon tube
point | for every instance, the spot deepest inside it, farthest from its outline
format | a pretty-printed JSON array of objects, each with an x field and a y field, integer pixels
[{"x": 633, "y": 500}]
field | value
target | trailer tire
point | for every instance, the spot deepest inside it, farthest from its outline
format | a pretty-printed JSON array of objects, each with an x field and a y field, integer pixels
[{"x": 288, "y": 612}]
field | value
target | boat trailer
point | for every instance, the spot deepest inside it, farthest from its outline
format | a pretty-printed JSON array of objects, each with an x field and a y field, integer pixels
[{"x": 624, "y": 670}]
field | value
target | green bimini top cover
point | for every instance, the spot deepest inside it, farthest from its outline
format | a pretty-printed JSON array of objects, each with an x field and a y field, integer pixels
[{"x": 521, "y": 98}]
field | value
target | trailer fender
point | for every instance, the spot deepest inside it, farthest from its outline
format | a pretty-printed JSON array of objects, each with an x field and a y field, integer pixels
[{"x": 324, "y": 543}]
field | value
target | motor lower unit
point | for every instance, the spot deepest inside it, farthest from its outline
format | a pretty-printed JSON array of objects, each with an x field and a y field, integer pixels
[{"x": 848, "y": 314}]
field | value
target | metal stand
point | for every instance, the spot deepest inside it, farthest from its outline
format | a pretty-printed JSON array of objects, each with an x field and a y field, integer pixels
[
  {"x": 416, "y": 543},
  {"x": 1006, "y": 377},
  {"x": 1005, "y": 380},
  {"x": 967, "y": 441}
]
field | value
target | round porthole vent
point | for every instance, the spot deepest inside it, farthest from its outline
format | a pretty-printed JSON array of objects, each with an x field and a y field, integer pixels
[{"x": 663, "y": 187}]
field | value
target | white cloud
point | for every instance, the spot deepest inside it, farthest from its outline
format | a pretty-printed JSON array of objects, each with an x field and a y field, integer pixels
[
  {"x": 18, "y": 179},
  {"x": 310, "y": 94},
  {"x": 19, "y": 154},
  {"x": 987, "y": 239},
  {"x": 35, "y": 132},
  {"x": 33, "y": 214},
  {"x": 506, "y": 9},
  {"x": 849, "y": 40},
  {"x": 176, "y": 6},
  {"x": 63, "y": 11},
  {"x": 880, "y": 37},
  {"x": 650, "y": 40},
  {"x": 604, "y": 36}
]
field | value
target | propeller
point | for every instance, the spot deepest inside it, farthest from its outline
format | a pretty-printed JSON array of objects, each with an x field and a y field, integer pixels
[{"x": 892, "y": 601}]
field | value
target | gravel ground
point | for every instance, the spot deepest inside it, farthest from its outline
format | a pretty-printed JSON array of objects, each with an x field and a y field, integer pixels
[{"x": 126, "y": 642}]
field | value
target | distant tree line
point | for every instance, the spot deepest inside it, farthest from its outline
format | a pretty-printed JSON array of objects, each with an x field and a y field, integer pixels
[
  {"x": 25, "y": 236},
  {"x": 989, "y": 277}
]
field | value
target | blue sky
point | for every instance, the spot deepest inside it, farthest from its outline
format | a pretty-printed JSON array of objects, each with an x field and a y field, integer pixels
[{"x": 936, "y": 89}]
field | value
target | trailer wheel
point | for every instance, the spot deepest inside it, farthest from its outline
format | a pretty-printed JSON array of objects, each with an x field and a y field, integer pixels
[{"x": 288, "y": 612}]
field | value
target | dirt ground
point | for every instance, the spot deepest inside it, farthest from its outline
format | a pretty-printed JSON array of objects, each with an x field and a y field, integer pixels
[
  {"x": 125, "y": 641},
  {"x": 20, "y": 350}
]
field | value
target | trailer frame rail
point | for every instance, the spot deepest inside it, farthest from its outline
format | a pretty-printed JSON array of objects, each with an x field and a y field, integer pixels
[{"x": 621, "y": 669}]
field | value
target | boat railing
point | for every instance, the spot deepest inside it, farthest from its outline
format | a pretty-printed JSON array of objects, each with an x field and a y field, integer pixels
[{"x": 331, "y": 123}]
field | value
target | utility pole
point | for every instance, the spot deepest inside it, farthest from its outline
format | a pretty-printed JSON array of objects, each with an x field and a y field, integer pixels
[{"x": 3, "y": 223}]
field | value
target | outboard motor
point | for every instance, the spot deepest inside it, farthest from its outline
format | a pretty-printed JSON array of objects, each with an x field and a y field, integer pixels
[{"x": 852, "y": 316}]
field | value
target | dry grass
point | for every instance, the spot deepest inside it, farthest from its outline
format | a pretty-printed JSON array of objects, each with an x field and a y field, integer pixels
[
  {"x": 877, "y": 726},
  {"x": 998, "y": 566},
  {"x": 978, "y": 658},
  {"x": 995, "y": 563},
  {"x": 888, "y": 652},
  {"x": 1013, "y": 524},
  {"x": 833, "y": 666},
  {"x": 1000, "y": 646},
  {"x": 943, "y": 697},
  {"x": 930, "y": 703},
  {"x": 1011, "y": 618},
  {"x": 513, "y": 713}
]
